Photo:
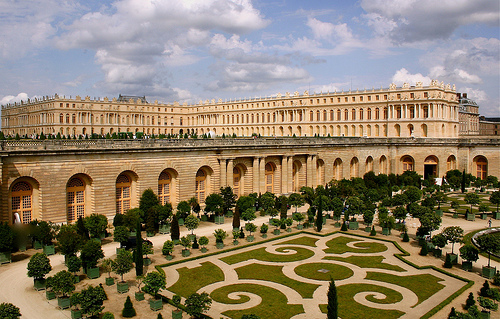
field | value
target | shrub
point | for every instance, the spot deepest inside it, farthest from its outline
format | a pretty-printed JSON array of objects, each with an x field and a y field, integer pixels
[
  {"x": 91, "y": 252},
  {"x": 203, "y": 241},
  {"x": 264, "y": 228},
  {"x": 425, "y": 250},
  {"x": 39, "y": 266},
  {"x": 108, "y": 315},
  {"x": 196, "y": 304},
  {"x": 374, "y": 232},
  {"x": 168, "y": 247},
  {"x": 128, "y": 309},
  {"x": 6, "y": 237},
  {"x": 447, "y": 262},
  {"x": 470, "y": 301},
  {"x": 406, "y": 238},
  {"x": 9, "y": 311},
  {"x": 153, "y": 282}
]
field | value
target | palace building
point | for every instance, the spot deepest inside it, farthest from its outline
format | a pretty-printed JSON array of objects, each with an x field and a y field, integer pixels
[{"x": 306, "y": 140}]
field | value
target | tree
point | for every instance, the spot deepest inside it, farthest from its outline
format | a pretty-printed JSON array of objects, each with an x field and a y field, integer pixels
[
  {"x": 455, "y": 205},
  {"x": 220, "y": 235},
  {"x": 63, "y": 283},
  {"x": 139, "y": 261},
  {"x": 439, "y": 240},
  {"x": 123, "y": 263},
  {"x": 236, "y": 217},
  {"x": 472, "y": 199},
  {"x": 439, "y": 197},
  {"x": 469, "y": 253},
  {"x": 168, "y": 247},
  {"x": 489, "y": 243},
  {"x": 332, "y": 307},
  {"x": 74, "y": 264},
  {"x": 267, "y": 201},
  {"x": 183, "y": 209},
  {"x": 191, "y": 222},
  {"x": 128, "y": 309},
  {"x": 174, "y": 229},
  {"x": 90, "y": 254},
  {"x": 430, "y": 221},
  {"x": 228, "y": 199},
  {"x": 453, "y": 234},
  {"x": 319, "y": 203},
  {"x": 148, "y": 200},
  {"x": 96, "y": 224},
  {"x": 44, "y": 232},
  {"x": 298, "y": 217},
  {"x": 68, "y": 240},
  {"x": 251, "y": 228},
  {"x": 463, "y": 182},
  {"x": 9, "y": 311},
  {"x": 413, "y": 194},
  {"x": 248, "y": 215},
  {"x": 203, "y": 241},
  {"x": 39, "y": 266},
  {"x": 121, "y": 235},
  {"x": 185, "y": 242},
  {"x": 153, "y": 282},
  {"x": 214, "y": 204},
  {"x": 196, "y": 304},
  {"x": 6, "y": 237},
  {"x": 296, "y": 200},
  {"x": 495, "y": 198},
  {"x": 165, "y": 213},
  {"x": 470, "y": 301}
]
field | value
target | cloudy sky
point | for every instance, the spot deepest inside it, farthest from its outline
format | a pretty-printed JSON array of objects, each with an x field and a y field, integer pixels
[{"x": 187, "y": 50}]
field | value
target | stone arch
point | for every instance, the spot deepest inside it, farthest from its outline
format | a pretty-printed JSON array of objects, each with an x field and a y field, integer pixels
[
  {"x": 451, "y": 163},
  {"x": 480, "y": 166},
  {"x": 354, "y": 167},
  {"x": 126, "y": 191},
  {"x": 408, "y": 163},
  {"x": 431, "y": 165},
  {"x": 337, "y": 169},
  {"x": 369, "y": 164},
  {"x": 383, "y": 165},
  {"x": 24, "y": 193},
  {"x": 78, "y": 197}
]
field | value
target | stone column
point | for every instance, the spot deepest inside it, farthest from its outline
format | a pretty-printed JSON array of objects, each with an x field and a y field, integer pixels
[
  {"x": 229, "y": 174},
  {"x": 284, "y": 174},
  {"x": 309, "y": 181},
  {"x": 255, "y": 171},
  {"x": 262, "y": 175},
  {"x": 223, "y": 172},
  {"x": 314, "y": 170}
]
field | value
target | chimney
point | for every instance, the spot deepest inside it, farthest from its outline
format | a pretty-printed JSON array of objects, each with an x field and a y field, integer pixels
[{"x": 464, "y": 95}]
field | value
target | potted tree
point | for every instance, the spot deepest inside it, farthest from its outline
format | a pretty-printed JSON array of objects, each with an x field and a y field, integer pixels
[
  {"x": 96, "y": 225},
  {"x": 68, "y": 240},
  {"x": 74, "y": 264},
  {"x": 387, "y": 223},
  {"x": 90, "y": 254},
  {"x": 121, "y": 235},
  {"x": 489, "y": 243},
  {"x": 45, "y": 234},
  {"x": 196, "y": 304},
  {"x": 276, "y": 223},
  {"x": 6, "y": 243},
  {"x": 495, "y": 200},
  {"x": 91, "y": 301},
  {"x": 147, "y": 248},
  {"x": 220, "y": 235},
  {"x": 107, "y": 266},
  {"x": 483, "y": 209},
  {"x": 75, "y": 301},
  {"x": 186, "y": 243},
  {"x": 469, "y": 254},
  {"x": 49, "y": 293},
  {"x": 177, "y": 313},
  {"x": 63, "y": 284},
  {"x": 368, "y": 216},
  {"x": 167, "y": 249},
  {"x": 455, "y": 205},
  {"x": 139, "y": 294},
  {"x": 191, "y": 222},
  {"x": 214, "y": 204},
  {"x": 263, "y": 230},
  {"x": 38, "y": 267},
  {"x": 153, "y": 282},
  {"x": 250, "y": 227},
  {"x": 236, "y": 235},
  {"x": 487, "y": 304},
  {"x": 164, "y": 216},
  {"x": 174, "y": 230},
  {"x": 123, "y": 263},
  {"x": 453, "y": 234},
  {"x": 439, "y": 241},
  {"x": 183, "y": 209},
  {"x": 471, "y": 199},
  {"x": 203, "y": 242},
  {"x": 298, "y": 217}
]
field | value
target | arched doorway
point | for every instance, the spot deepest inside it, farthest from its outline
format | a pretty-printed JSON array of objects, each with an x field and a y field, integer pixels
[
  {"x": 430, "y": 167},
  {"x": 270, "y": 168}
]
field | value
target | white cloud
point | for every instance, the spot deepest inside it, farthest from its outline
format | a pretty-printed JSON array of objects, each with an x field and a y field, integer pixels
[
  {"x": 408, "y": 21},
  {"x": 403, "y": 76},
  {"x": 321, "y": 30},
  {"x": 13, "y": 99}
]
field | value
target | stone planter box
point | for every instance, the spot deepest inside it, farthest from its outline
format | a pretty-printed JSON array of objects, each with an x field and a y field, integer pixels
[
  {"x": 147, "y": 261},
  {"x": 139, "y": 296},
  {"x": 488, "y": 272},
  {"x": 37, "y": 245},
  {"x": 387, "y": 231},
  {"x": 437, "y": 252},
  {"x": 467, "y": 265},
  {"x": 176, "y": 314},
  {"x": 276, "y": 232},
  {"x": 122, "y": 287},
  {"x": 39, "y": 284},
  {"x": 353, "y": 225},
  {"x": 93, "y": 273},
  {"x": 484, "y": 216},
  {"x": 181, "y": 221},
  {"x": 169, "y": 257},
  {"x": 63, "y": 302},
  {"x": 186, "y": 253},
  {"x": 49, "y": 250},
  {"x": 300, "y": 227},
  {"x": 156, "y": 304},
  {"x": 76, "y": 313},
  {"x": 164, "y": 229},
  {"x": 250, "y": 238},
  {"x": 470, "y": 216},
  {"x": 50, "y": 295},
  {"x": 5, "y": 258},
  {"x": 453, "y": 258},
  {"x": 110, "y": 281},
  {"x": 219, "y": 220},
  {"x": 203, "y": 250},
  {"x": 219, "y": 245}
]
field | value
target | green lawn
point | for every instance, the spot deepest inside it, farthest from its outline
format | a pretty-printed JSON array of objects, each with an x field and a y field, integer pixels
[
  {"x": 338, "y": 246},
  {"x": 192, "y": 279},
  {"x": 367, "y": 262},
  {"x": 261, "y": 254},
  {"x": 304, "y": 240},
  {"x": 312, "y": 271}
]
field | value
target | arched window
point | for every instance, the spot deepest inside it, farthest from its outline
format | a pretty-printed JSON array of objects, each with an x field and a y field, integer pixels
[
  {"x": 481, "y": 167},
  {"x": 61, "y": 118},
  {"x": 354, "y": 167},
  {"x": 451, "y": 163},
  {"x": 76, "y": 199},
  {"x": 337, "y": 169},
  {"x": 237, "y": 181},
  {"x": 408, "y": 163},
  {"x": 201, "y": 185},
  {"x": 369, "y": 164},
  {"x": 21, "y": 198},
  {"x": 164, "y": 183},
  {"x": 269, "y": 177},
  {"x": 123, "y": 186},
  {"x": 383, "y": 165}
]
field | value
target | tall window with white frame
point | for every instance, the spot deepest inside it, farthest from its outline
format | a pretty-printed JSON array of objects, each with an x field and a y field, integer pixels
[
  {"x": 164, "y": 187},
  {"x": 201, "y": 185},
  {"x": 21, "y": 199},
  {"x": 76, "y": 199},
  {"x": 269, "y": 177},
  {"x": 237, "y": 181},
  {"x": 123, "y": 186}
]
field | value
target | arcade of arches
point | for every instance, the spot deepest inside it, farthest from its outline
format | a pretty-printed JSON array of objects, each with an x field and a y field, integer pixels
[{"x": 60, "y": 188}]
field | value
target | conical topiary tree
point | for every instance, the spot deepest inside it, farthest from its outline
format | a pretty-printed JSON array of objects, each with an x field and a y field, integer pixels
[
  {"x": 139, "y": 262},
  {"x": 128, "y": 309},
  {"x": 332, "y": 307}
]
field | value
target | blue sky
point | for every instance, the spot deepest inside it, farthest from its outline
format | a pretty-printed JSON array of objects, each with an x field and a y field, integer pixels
[{"x": 192, "y": 50}]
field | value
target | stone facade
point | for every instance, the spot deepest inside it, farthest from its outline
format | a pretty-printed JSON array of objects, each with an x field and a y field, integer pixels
[
  {"x": 58, "y": 180},
  {"x": 407, "y": 111}
]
